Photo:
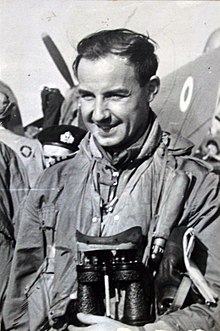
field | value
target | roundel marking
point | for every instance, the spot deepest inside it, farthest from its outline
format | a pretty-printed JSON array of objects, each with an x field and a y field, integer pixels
[
  {"x": 26, "y": 151},
  {"x": 186, "y": 94}
]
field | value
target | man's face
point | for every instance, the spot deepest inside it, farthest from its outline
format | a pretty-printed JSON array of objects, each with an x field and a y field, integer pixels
[
  {"x": 3, "y": 102},
  {"x": 114, "y": 106},
  {"x": 54, "y": 154}
]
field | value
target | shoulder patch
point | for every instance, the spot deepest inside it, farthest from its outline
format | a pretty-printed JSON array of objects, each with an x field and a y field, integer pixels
[{"x": 26, "y": 151}]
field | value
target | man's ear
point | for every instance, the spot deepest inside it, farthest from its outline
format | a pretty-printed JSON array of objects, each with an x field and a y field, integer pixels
[{"x": 153, "y": 87}]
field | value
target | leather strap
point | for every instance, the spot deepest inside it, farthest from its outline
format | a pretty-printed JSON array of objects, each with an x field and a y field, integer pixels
[{"x": 181, "y": 293}]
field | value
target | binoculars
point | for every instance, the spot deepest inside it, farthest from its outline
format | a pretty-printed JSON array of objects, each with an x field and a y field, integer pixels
[{"x": 108, "y": 267}]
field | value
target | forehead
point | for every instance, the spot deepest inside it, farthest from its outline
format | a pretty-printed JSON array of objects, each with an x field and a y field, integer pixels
[{"x": 111, "y": 68}]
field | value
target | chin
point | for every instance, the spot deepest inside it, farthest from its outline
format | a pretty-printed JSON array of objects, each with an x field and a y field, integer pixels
[
  {"x": 105, "y": 143},
  {"x": 108, "y": 143}
]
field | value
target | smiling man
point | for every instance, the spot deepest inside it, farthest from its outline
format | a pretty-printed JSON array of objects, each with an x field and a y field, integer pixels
[
  {"x": 122, "y": 202},
  {"x": 114, "y": 106}
]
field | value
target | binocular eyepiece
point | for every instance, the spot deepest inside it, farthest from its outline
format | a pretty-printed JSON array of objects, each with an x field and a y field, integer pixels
[{"x": 108, "y": 275}]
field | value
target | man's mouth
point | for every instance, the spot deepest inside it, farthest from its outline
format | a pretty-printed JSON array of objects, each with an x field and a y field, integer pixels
[{"x": 105, "y": 128}]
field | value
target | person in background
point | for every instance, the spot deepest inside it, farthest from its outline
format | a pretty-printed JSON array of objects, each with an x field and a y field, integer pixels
[
  {"x": 60, "y": 142},
  {"x": 70, "y": 112},
  {"x": 209, "y": 150},
  {"x": 14, "y": 122},
  {"x": 70, "y": 108},
  {"x": 128, "y": 174},
  {"x": 52, "y": 100},
  {"x": 14, "y": 187},
  {"x": 29, "y": 150}
]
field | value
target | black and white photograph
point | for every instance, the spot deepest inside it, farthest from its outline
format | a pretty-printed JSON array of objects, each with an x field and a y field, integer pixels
[{"x": 109, "y": 165}]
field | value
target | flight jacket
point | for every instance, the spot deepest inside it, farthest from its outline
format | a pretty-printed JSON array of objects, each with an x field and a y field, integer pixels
[
  {"x": 68, "y": 197},
  {"x": 14, "y": 187}
]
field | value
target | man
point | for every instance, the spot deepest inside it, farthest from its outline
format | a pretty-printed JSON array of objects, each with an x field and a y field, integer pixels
[
  {"x": 14, "y": 188},
  {"x": 15, "y": 123},
  {"x": 52, "y": 101},
  {"x": 60, "y": 142},
  {"x": 28, "y": 150},
  {"x": 127, "y": 174}
]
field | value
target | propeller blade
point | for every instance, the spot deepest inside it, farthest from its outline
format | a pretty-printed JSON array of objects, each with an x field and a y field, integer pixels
[{"x": 57, "y": 58}]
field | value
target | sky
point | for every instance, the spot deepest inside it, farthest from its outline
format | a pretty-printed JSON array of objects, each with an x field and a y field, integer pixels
[{"x": 181, "y": 29}]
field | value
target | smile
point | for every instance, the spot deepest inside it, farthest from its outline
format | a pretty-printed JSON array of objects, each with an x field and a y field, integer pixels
[{"x": 105, "y": 128}]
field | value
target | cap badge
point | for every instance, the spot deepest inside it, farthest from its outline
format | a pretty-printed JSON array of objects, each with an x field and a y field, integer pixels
[{"x": 67, "y": 137}]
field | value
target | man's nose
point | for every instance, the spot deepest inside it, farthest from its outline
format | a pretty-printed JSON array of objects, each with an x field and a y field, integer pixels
[{"x": 101, "y": 111}]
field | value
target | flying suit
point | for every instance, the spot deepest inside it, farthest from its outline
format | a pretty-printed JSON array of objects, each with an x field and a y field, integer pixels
[
  {"x": 73, "y": 195},
  {"x": 14, "y": 187}
]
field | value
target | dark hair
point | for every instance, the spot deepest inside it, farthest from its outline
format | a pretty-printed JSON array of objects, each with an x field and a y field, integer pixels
[{"x": 137, "y": 48}]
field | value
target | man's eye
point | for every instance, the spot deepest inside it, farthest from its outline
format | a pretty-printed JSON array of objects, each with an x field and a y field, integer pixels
[
  {"x": 87, "y": 97},
  {"x": 116, "y": 97}
]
